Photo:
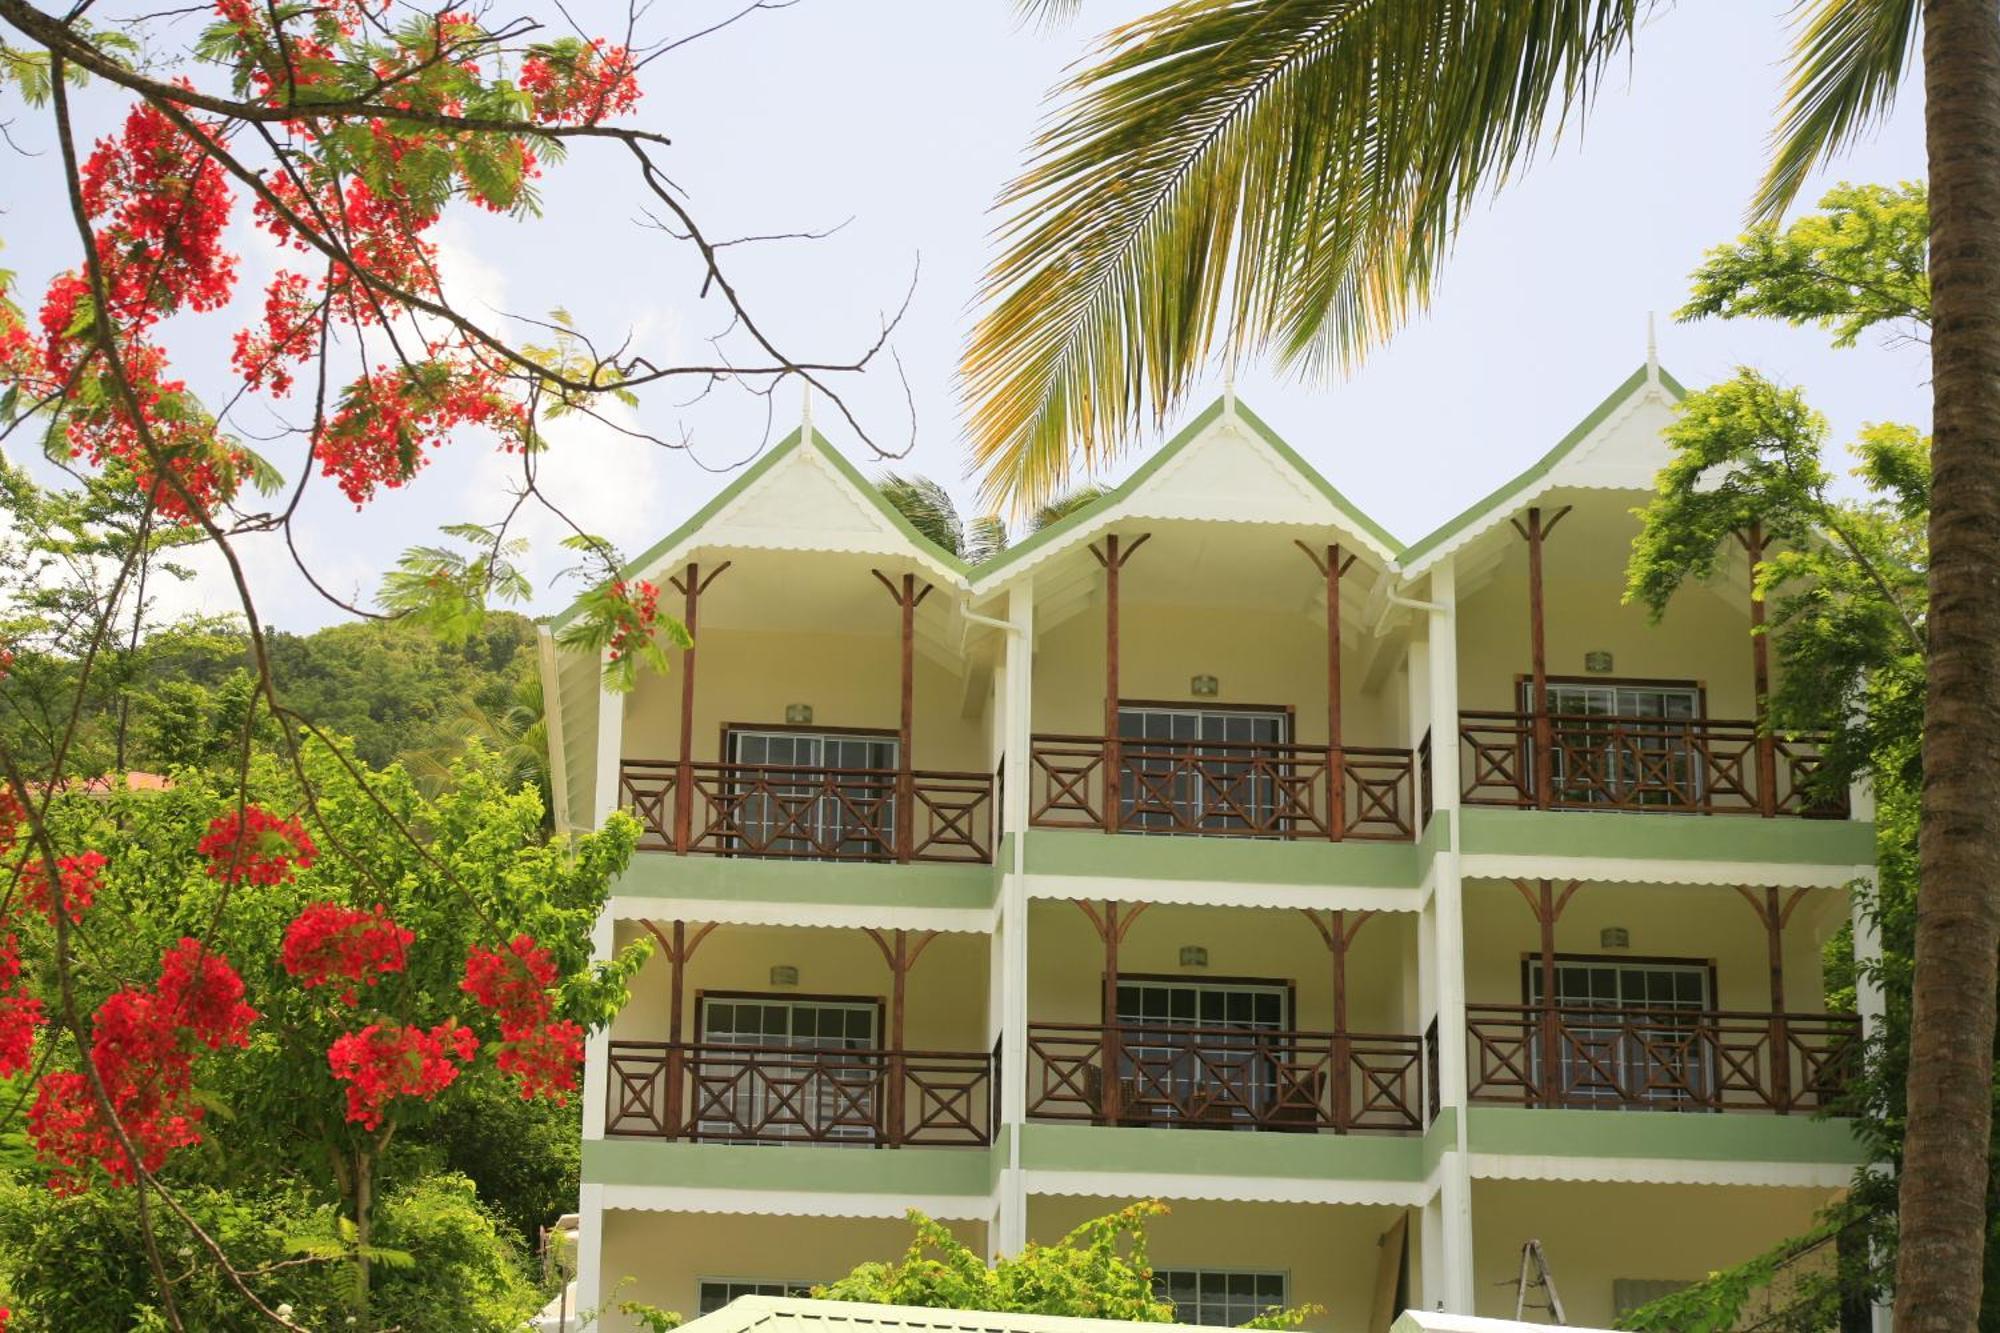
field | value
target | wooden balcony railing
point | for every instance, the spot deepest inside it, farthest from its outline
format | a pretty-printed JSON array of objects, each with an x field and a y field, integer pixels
[
  {"x": 1222, "y": 788},
  {"x": 816, "y": 814},
  {"x": 1225, "y": 1078},
  {"x": 1702, "y": 766},
  {"x": 761, "y": 1094},
  {"x": 1660, "y": 1059}
]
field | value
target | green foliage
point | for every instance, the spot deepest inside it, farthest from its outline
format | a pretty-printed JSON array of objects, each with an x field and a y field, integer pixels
[
  {"x": 1844, "y": 579},
  {"x": 1097, "y": 1271},
  {"x": 1807, "y": 1270},
  {"x": 525, "y": 1157},
  {"x": 930, "y": 509},
  {"x": 1292, "y": 177},
  {"x": 448, "y": 591},
  {"x": 464, "y": 1262},
  {"x": 1861, "y": 261}
]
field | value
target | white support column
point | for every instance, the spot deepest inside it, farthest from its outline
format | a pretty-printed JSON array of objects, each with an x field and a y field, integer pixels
[
  {"x": 589, "y": 1252},
  {"x": 597, "y": 1047},
  {"x": 1431, "y": 1266},
  {"x": 610, "y": 749},
  {"x": 1447, "y": 918},
  {"x": 1011, "y": 934}
]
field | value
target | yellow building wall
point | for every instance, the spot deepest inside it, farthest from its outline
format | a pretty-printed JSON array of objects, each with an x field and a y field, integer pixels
[
  {"x": 945, "y": 1009},
  {"x": 1679, "y": 921},
  {"x": 1594, "y": 1233},
  {"x": 1703, "y": 636},
  {"x": 665, "y": 1256},
  {"x": 747, "y": 677},
  {"x": 1330, "y": 1253},
  {"x": 1257, "y": 658},
  {"x": 1066, "y": 961}
]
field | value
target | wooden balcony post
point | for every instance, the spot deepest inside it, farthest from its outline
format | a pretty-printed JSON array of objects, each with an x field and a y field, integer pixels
[
  {"x": 1113, "y": 560},
  {"x": 1760, "y": 673},
  {"x": 1110, "y": 926},
  {"x": 1548, "y": 907},
  {"x": 907, "y": 598},
  {"x": 1536, "y": 532},
  {"x": 1774, "y": 916},
  {"x": 901, "y": 957},
  {"x": 1338, "y": 935},
  {"x": 677, "y": 950},
  {"x": 691, "y": 586},
  {"x": 1331, "y": 567}
]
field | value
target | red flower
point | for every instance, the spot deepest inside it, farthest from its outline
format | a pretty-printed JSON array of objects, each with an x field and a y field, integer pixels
[
  {"x": 514, "y": 984},
  {"x": 143, "y": 1047},
  {"x": 255, "y": 845},
  {"x": 541, "y": 1054},
  {"x": 544, "y": 1059},
  {"x": 20, "y": 1015},
  {"x": 329, "y": 943},
  {"x": 79, "y": 876},
  {"x": 635, "y": 610},
  {"x": 580, "y": 86},
  {"x": 383, "y": 1062}
]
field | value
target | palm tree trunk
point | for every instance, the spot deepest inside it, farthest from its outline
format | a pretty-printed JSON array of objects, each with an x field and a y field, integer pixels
[{"x": 1943, "y": 1207}]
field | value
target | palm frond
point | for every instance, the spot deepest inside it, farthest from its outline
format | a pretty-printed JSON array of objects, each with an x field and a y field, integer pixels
[
  {"x": 1290, "y": 171},
  {"x": 1846, "y": 62},
  {"x": 985, "y": 537},
  {"x": 1062, "y": 506},
  {"x": 927, "y": 505}
]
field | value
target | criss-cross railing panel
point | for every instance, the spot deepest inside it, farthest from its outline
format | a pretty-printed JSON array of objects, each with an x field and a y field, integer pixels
[
  {"x": 811, "y": 813},
  {"x": 1677, "y": 765},
  {"x": 1225, "y": 1078},
  {"x": 1248, "y": 789},
  {"x": 762, "y": 1094},
  {"x": 1660, "y": 1059}
]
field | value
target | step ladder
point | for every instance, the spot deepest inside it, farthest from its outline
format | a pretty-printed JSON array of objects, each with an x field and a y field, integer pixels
[{"x": 1535, "y": 1275}]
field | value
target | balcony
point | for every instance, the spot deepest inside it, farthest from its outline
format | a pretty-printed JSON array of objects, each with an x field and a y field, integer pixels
[
  {"x": 1697, "y": 766},
  {"x": 1660, "y": 1059},
  {"x": 1225, "y": 1078},
  {"x": 1255, "y": 789},
  {"x": 872, "y": 1098},
  {"x": 809, "y": 812}
]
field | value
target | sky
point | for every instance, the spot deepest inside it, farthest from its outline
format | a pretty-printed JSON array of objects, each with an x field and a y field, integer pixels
[{"x": 892, "y": 124}]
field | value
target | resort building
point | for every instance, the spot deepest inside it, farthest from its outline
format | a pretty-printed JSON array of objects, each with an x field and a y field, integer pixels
[{"x": 1379, "y": 907}]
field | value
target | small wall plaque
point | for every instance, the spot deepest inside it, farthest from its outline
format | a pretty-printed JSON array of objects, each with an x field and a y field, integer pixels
[
  {"x": 1597, "y": 663},
  {"x": 784, "y": 974},
  {"x": 1204, "y": 687}
]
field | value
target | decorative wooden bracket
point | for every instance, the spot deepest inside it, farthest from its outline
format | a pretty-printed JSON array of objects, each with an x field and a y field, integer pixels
[
  {"x": 1110, "y": 557},
  {"x": 1546, "y": 908},
  {"x": 682, "y": 582},
  {"x": 1538, "y": 528}
]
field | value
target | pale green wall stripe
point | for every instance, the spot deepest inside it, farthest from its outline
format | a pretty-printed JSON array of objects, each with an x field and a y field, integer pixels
[
  {"x": 1727, "y": 1137},
  {"x": 1191, "y": 1152},
  {"x": 1641, "y": 836},
  {"x": 1384, "y": 865},
  {"x": 749, "y": 879},
  {"x": 802, "y": 1168}
]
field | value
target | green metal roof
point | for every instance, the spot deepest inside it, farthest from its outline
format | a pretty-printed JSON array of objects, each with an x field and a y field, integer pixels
[
  {"x": 748, "y": 478},
  {"x": 1083, "y": 517},
  {"x": 994, "y": 569},
  {"x": 1535, "y": 471}
]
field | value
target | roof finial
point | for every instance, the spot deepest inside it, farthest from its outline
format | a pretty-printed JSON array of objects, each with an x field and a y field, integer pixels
[
  {"x": 806, "y": 412},
  {"x": 1652, "y": 352},
  {"x": 1229, "y": 375}
]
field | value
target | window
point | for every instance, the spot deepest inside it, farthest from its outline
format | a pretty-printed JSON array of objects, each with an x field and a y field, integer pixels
[
  {"x": 1225, "y": 1298},
  {"x": 783, "y": 1090},
  {"x": 717, "y": 1292},
  {"x": 1200, "y": 769},
  {"x": 1170, "y": 1071},
  {"x": 1644, "y": 1053},
  {"x": 800, "y": 813},
  {"x": 1621, "y": 743}
]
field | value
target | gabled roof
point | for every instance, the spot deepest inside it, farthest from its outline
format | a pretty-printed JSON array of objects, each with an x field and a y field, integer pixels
[
  {"x": 804, "y": 496},
  {"x": 1226, "y": 465},
  {"x": 1595, "y": 454},
  {"x": 796, "y": 1314}
]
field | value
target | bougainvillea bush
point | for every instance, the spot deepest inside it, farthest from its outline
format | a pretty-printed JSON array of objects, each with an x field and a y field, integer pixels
[{"x": 275, "y": 1006}]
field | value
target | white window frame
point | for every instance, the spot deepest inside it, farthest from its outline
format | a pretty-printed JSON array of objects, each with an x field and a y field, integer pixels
[
  {"x": 1628, "y": 1057},
  {"x": 734, "y": 1287},
  {"x": 1198, "y": 723},
  {"x": 1226, "y": 1313},
  {"x": 789, "y": 1041}
]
